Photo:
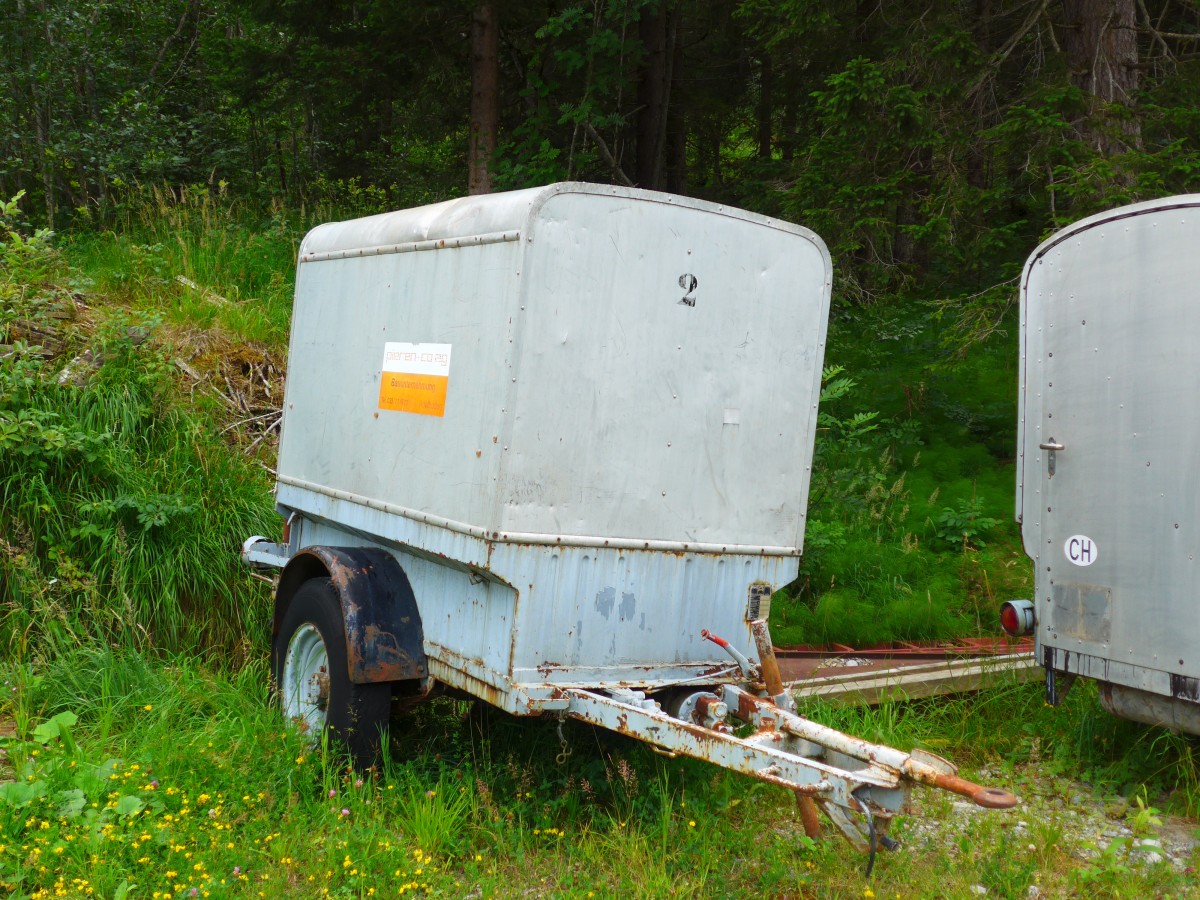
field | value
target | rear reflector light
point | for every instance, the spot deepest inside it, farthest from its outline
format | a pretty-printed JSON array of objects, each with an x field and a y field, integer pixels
[{"x": 1016, "y": 617}]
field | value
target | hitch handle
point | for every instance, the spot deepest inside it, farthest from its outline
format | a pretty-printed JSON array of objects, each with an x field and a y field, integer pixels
[{"x": 738, "y": 656}]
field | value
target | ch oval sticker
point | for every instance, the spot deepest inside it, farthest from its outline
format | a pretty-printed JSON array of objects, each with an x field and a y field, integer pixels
[{"x": 1080, "y": 550}]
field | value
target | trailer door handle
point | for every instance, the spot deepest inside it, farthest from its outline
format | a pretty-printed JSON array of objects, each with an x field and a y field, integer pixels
[{"x": 1053, "y": 446}]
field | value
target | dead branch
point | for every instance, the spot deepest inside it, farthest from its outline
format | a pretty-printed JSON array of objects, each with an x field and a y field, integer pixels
[
  {"x": 208, "y": 294},
  {"x": 617, "y": 172},
  {"x": 1004, "y": 52}
]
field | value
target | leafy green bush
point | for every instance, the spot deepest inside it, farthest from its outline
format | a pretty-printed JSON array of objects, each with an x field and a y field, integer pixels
[
  {"x": 886, "y": 557},
  {"x": 963, "y": 525}
]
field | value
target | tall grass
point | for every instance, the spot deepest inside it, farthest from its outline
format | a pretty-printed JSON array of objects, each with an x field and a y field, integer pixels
[
  {"x": 121, "y": 506},
  {"x": 197, "y": 260},
  {"x": 201, "y": 259},
  {"x": 910, "y": 533}
]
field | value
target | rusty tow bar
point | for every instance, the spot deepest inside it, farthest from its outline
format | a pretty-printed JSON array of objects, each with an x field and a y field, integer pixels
[
  {"x": 810, "y": 816},
  {"x": 919, "y": 766}
]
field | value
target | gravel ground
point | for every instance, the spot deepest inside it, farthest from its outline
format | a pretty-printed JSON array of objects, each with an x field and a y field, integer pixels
[{"x": 1065, "y": 815}]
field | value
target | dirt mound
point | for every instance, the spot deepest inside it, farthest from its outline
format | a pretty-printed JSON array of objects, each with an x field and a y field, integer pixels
[{"x": 246, "y": 377}]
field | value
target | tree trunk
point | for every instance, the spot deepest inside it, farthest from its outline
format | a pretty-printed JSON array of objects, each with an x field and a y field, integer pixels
[
  {"x": 766, "y": 105},
  {"x": 655, "y": 32},
  {"x": 43, "y": 118},
  {"x": 485, "y": 96},
  {"x": 676, "y": 133},
  {"x": 1100, "y": 41},
  {"x": 978, "y": 150},
  {"x": 906, "y": 250},
  {"x": 789, "y": 114}
]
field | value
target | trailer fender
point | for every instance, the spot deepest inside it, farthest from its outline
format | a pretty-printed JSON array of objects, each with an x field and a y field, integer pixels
[{"x": 384, "y": 636}]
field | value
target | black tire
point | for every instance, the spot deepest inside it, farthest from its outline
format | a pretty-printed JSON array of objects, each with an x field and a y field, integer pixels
[{"x": 354, "y": 715}]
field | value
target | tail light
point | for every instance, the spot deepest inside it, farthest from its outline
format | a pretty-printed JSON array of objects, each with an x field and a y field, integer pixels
[{"x": 1016, "y": 617}]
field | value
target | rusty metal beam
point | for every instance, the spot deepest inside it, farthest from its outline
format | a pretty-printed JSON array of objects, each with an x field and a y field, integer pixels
[
  {"x": 756, "y": 757},
  {"x": 947, "y": 676}
]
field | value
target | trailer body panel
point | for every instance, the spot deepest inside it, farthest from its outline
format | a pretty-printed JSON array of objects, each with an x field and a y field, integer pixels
[
  {"x": 1109, "y": 483},
  {"x": 580, "y": 421}
]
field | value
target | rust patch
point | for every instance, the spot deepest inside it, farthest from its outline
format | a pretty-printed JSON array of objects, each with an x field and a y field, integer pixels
[
  {"x": 1184, "y": 688},
  {"x": 460, "y": 680},
  {"x": 384, "y": 635},
  {"x": 747, "y": 708},
  {"x": 705, "y": 702}
]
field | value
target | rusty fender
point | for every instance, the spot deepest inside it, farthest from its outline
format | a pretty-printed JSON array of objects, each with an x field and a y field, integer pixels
[{"x": 384, "y": 636}]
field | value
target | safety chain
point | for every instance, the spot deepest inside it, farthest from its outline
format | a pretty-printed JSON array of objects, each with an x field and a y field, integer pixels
[{"x": 562, "y": 740}]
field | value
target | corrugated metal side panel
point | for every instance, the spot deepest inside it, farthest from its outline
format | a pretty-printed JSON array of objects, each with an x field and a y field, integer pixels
[
  {"x": 335, "y": 433},
  {"x": 558, "y": 614},
  {"x": 499, "y": 600},
  {"x": 1111, "y": 368},
  {"x": 1033, "y": 296},
  {"x": 668, "y": 367}
]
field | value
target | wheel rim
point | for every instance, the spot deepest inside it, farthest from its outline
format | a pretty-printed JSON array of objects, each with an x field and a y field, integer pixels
[{"x": 305, "y": 682}]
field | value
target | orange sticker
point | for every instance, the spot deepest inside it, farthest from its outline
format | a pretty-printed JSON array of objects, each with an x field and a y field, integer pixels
[{"x": 414, "y": 378}]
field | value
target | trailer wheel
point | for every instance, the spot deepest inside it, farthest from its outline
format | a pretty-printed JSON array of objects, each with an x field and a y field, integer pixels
[{"x": 312, "y": 681}]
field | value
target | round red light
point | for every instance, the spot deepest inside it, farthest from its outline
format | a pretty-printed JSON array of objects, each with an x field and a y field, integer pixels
[{"x": 1016, "y": 617}]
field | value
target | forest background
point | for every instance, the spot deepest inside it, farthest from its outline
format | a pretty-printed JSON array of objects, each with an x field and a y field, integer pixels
[{"x": 931, "y": 145}]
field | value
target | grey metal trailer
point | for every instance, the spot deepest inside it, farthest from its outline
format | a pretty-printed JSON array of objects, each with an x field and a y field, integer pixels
[
  {"x": 1109, "y": 444},
  {"x": 551, "y": 448}
]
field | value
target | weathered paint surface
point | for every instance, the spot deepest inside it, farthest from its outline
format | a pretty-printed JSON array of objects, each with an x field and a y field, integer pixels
[
  {"x": 1108, "y": 489},
  {"x": 613, "y": 470},
  {"x": 846, "y": 774},
  {"x": 615, "y": 465},
  {"x": 384, "y": 637}
]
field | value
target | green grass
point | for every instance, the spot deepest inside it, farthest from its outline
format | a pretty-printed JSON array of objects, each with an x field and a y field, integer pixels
[
  {"x": 197, "y": 261},
  {"x": 171, "y": 775},
  {"x": 911, "y": 533},
  {"x": 124, "y": 613},
  {"x": 122, "y": 504}
]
